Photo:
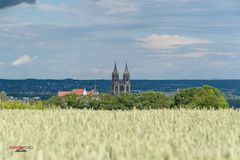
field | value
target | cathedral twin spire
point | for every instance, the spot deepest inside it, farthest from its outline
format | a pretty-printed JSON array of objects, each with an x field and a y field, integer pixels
[
  {"x": 116, "y": 70},
  {"x": 121, "y": 86}
]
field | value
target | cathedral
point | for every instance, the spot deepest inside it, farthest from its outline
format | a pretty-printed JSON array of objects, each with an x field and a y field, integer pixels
[{"x": 121, "y": 86}]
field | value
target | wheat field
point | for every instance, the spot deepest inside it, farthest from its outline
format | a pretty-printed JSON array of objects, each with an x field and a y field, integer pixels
[{"x": 120, "y": 135}]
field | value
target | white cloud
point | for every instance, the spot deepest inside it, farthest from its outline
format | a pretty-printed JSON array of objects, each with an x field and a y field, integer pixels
[
  {"x": 218, "y": 64},
  {"x": 47, "y": 7},
  {"x": 22, "y": 60},
  {"x": 194, "y": 55},
  {"x": 199, "y": 53},
  {"x": 114, "y": 6},
  {"x": 59, "y": 8},
  {"x": 169, "y": 64},
  {"x": 155, "y": 41}
]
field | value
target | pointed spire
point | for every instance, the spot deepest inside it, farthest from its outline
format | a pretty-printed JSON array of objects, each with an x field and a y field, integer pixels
[
  {"x": 95, "y": 86},
  {"x": 115, "y": 68},
  {"x": 126, "y": 68}
]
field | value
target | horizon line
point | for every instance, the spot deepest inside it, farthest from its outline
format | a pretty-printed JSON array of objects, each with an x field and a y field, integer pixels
[{"x": 61, "y": 79}]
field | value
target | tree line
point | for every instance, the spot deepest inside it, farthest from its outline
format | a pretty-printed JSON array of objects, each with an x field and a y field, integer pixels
[
  {"x": 205, "y": 97},
  {"x": 196, "y": 97}
]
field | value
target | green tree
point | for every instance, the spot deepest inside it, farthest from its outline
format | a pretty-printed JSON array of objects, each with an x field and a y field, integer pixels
[
  {"x": 152, "y": 100},
  {"x": 3, "y": 96},
  {"x": 200, "y": 97},
  {"x": 57, "y": 101}
]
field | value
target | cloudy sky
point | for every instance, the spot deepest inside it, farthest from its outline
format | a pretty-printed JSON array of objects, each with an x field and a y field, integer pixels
[{"x": 160, "y": 39}]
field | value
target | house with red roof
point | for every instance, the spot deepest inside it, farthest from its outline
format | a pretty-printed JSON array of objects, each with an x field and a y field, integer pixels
[{"x": 78, "y": 92}]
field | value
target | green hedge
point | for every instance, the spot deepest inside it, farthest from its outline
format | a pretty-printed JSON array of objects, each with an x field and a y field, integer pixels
[
  {"x": 200, "y": 97},
  {"x": 196, "y": 97},
  {"x": 154, "y": 100},
  {"x": 37, "y": 105},
  {"x": 205, "y": 97}
]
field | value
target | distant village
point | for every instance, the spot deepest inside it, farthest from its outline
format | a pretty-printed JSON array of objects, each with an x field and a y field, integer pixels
[
  {"x": 33, "y": 87},
  {"x": 117, "y": 86}
]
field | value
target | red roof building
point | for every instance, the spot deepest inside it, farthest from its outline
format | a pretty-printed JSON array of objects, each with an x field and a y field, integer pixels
[
  {"x": 62, "y": 93},
  {"x": 79, "y": 92}
]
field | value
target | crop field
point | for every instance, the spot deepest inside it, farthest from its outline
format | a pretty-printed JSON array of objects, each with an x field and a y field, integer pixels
[{"x": 120, "y": 135}]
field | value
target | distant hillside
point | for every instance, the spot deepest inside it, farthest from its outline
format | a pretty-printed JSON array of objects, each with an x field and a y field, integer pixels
[{"x": 47, "y": 88}]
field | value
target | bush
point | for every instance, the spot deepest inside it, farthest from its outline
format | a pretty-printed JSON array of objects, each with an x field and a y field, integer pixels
[
  {"x": 200, "y": 97},
  {"x": 3, "y": 97},
  {"x": 152, "y": 100},
  {"x": 148, "y": 100},
  {"x": 197, "y": 97},
  {"x": 38, "y": 105}
]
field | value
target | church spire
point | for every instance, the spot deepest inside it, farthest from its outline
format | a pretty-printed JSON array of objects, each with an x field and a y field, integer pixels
[
  {"x": 126, "y": 69},
  {"x": 126, "y": 75},
  {"x": 115, "y": 68}
]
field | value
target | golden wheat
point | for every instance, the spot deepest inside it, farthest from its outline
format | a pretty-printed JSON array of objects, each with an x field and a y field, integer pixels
[{"x": 120, "y": 135}]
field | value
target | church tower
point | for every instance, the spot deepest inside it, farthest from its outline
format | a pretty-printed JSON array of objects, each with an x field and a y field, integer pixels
[
  {"x": 121, "y": 86},
  {"x": 126, "y": 80},
  {"x": 115, "y": 80}
]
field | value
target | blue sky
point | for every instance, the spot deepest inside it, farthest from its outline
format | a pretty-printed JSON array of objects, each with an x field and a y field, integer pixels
[{"x": 160, "y": 39}]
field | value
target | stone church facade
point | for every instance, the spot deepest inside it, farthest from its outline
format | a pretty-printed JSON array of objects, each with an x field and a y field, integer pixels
[{"x": 121, "y": 85}]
